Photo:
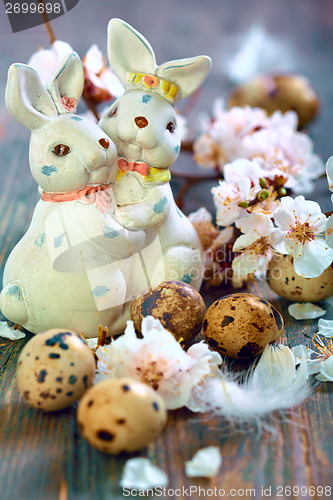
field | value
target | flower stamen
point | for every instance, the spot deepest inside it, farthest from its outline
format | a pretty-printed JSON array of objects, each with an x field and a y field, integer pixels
[
  {"x": 302, "y": 232},
  {"x": 325, "y": 348}
]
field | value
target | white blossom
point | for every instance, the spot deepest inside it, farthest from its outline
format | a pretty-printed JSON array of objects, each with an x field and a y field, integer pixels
[
  {"x": 45, "y": 61},
  {"x": 285, "y": 155},
  {"x": 253, "y": 246},
  {"x": 301, "y": 225},
  {"x": 100, "y": 75},
  {"x": 100, "y": 81},
  {"x": 241, "y": 184},
  {"x": 157, "y": 360},
  {"x": 319, "y": 362}
]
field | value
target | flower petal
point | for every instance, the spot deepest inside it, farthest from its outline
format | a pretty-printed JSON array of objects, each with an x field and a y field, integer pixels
[
  {"x": 329, "y": 173},
  {"x": 156, "y": 359},
  {"x": 305, "y": 310},
  {"x": 257, "y": 223},
  {"x": 205, "y": 463},
  {"x": 300, "y": 351},
  {"x": 9, "y": 333},
  {"x": 277, "y": 240},
  {"x": 329, "y": 230},
  {"x": 92, "y": 342},
  {"x": 141, "y": 474},
  {"x": 326, "y": 370},
  {"x": 245, "y": 240},
  {"x": 245, "y": 264},
  {"x": 325, "y": 328},
  {"x": 316, "y": 257}
]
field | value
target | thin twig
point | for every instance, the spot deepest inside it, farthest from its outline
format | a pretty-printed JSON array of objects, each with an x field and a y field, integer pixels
[
  {"x": 213, "y": 175},
  {"x": 187, "y": 146},
  {"x": 63, "y": 490},
  {"x": 91, "y": 107},
  {"x": 48, "y": 26}
]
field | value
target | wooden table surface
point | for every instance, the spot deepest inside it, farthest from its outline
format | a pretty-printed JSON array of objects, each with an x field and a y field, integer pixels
[{"x": 42, "y": 456}]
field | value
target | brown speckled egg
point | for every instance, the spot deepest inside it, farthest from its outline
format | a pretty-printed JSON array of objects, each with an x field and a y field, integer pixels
[
  {"x": 284, "y": 281},
  {"x": 241, "y": 325},
  {"x": 54, "y": 369},
  {"x": 279, "y": 92},
  {"x": 118, "y": 415},
  {"x": 178, "y": 306}
]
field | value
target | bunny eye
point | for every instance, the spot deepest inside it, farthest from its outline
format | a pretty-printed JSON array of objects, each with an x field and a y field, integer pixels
[
  {"x": 171, "y": 127},
  {"x": 113, "y": 112},
  {"x": 61, "y": 150}
]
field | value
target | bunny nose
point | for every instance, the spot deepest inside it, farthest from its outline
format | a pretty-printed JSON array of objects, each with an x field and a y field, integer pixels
[
  {"x": 104, "y": 143},
  {"x": 141, "y": 121}
]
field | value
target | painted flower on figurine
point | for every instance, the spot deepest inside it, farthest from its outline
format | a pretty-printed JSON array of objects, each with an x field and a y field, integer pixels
[
  {"x": 69, "y": 103},
  {"x": 301, "y": 227},
  {"x": 158, "y": 360},
  {"x": 253, "y": 247},
  {"x": 150, "y": 81}
]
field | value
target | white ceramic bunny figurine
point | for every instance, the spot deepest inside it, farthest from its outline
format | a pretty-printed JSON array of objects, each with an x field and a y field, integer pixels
[
  {"x": 72, "y": 267},
  {"x": 143, "y": 125}
]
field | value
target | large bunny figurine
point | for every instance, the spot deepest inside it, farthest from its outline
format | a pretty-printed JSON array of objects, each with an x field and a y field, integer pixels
[
  {"x": 73, "y": 266},
  {"x": 143, "y": 125}
]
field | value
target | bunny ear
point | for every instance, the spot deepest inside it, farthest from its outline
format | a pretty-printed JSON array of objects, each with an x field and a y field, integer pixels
[
  {"x": 128, "y": 51},
  {"x": 26, "y": 98},
  {"x": 65, "y": 85},
  {"x": 188, "y": 74}
]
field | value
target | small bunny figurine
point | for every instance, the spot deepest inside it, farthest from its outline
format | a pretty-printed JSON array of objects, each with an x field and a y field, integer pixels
[
  {"x": 143, "y": 125},
  {"x": 72, "y": 267}
]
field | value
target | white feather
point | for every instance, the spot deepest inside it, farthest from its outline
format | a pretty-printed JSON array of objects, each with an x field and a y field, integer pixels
[{"x": 274, "y": 384}]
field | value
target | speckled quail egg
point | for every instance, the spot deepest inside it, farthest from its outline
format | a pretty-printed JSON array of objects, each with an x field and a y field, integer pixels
[
  {"x": 279, "y": 92},
  {"x": 54, "y": 369},
  {"x": 284, "y": 281},
  {"x": 178, "y": 306},
  {"x": 241, "y": 325},
  {"x": 121, "y": 415}
]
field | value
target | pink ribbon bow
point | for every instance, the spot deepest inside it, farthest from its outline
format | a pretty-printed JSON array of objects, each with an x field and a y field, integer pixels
[
  {"x": 133, "y": 166},
  {"x": 101, "y": 196}
]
